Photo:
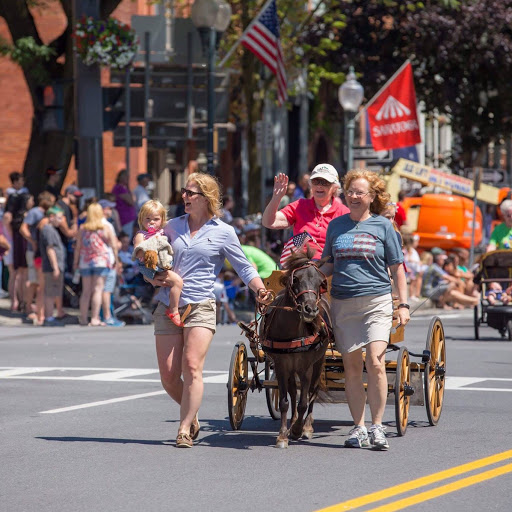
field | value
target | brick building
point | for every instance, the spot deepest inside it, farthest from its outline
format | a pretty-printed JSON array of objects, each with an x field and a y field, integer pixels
[{"x": 16, "y": 107}]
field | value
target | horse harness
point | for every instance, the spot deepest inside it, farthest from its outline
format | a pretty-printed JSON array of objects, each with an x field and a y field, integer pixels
[{"x": 297, "y": 344}]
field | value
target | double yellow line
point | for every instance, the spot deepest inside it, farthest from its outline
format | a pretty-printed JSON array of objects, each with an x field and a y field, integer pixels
[{"x": 428, "y": 480}]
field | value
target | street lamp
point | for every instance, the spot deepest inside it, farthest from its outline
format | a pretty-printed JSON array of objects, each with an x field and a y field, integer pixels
[
  {"x": 350, "y": 96},
  {"x": 211, "y": 18}
]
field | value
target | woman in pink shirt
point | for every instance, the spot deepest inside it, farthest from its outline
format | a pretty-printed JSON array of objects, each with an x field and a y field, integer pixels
[
  {"x": 312, "y": 215},
  {"x": 125, "y": 203}
]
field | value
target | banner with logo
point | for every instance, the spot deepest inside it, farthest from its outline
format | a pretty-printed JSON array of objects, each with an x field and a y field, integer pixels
[
  {"x": 452, "y": 182},
  {"x": 392, "y": 113}
]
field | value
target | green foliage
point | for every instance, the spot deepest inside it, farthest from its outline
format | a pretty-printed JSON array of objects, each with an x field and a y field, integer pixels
[
  {"x": 461, "y": 54},
  {"x": 29, "y": 55}
]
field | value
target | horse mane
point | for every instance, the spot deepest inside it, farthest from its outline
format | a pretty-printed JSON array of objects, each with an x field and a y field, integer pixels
[{"x": 296, "y": 260}]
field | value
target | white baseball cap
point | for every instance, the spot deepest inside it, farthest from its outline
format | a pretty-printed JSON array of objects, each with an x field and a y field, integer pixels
[{"x": 326, "y": 172}]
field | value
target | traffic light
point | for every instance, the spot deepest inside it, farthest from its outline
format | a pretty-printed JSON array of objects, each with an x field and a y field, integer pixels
[{"x": 53, "y": 112}]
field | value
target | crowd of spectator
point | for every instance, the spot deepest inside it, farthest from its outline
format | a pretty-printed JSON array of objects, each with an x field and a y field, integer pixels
[{"x": 62, "y": 249}]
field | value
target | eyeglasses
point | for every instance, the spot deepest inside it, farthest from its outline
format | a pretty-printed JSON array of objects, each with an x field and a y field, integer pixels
[
  {"x": 353, "y": 193},
  {"x": 190, "y": 193},
  {"x": 319, "y": 182}
]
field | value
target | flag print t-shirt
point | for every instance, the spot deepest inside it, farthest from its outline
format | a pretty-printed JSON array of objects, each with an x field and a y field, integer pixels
[{"x": 361, "y": 253}]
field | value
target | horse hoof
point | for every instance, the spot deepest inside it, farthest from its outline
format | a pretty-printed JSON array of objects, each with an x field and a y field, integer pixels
[
  {"x": 282, "y": 443},
  {"x": 308, "y": 434},
  {"x": 294, "y": 435}
]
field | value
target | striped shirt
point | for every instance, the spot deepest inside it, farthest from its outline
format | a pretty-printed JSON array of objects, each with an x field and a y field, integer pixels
[{"x": 198, "y": 260}]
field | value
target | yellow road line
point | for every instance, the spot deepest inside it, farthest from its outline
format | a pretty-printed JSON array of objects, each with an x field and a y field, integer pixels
[
  {"x": 419, "y": 482},
  {"x": 445, "y": 489}
]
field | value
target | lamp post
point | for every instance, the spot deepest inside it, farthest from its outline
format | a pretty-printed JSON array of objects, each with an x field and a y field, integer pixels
[
  {"x": 211, "y": 18},
  {"x": 350, "y": 96}
]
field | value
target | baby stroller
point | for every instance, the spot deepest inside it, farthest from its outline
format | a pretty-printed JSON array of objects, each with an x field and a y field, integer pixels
[
  {"x": 495, "y": 267},
  {"x": 127, "y": 301}
]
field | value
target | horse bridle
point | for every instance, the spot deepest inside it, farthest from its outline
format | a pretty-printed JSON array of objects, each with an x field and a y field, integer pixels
[{"x": 295, "y": 296}]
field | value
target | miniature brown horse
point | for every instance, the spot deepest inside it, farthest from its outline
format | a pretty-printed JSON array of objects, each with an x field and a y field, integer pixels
[{"x": 295, "y": 336}]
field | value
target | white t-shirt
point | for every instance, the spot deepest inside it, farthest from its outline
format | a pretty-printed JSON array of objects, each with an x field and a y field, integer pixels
[{"x": 141, "y": 196}]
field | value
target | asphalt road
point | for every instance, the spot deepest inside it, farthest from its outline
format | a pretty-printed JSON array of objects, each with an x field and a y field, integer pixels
[{"x": 84, "y": 426}]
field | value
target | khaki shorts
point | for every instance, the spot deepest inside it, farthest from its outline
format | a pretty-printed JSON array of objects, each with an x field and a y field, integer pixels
[
  {"x": 53, "y": 287},
  {"x": 203, "y": 314},
  {"x": 361, "y": 320}
]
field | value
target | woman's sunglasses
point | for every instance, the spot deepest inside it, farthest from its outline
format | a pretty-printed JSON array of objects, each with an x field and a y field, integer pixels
[{"x": 190, "y": 193}]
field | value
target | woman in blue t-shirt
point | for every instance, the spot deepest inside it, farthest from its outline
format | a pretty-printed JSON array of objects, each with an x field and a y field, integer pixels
[{"x": 361, "y": 246}]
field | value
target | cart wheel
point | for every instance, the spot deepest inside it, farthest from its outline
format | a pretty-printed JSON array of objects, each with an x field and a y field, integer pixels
[
  {"x": 476, "y": 321},
  {"x": 435, "y": 370},
  {"x": 237, "y": 385},
  {"x": 403, "y": 391},
  {"x": 271, "y": 393},
  {"x": 509, "y": 330}
]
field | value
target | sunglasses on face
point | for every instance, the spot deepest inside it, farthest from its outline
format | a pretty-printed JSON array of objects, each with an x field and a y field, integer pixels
[
  {"x": 319, "y": 182},
  {"x": 190, "y": 193}
]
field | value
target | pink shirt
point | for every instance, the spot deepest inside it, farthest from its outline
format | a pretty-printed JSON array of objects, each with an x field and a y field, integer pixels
[{"x": 303, "y": 215}]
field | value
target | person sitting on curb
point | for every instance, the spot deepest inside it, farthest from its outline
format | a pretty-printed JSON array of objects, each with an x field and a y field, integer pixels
[{"x": 441, "y": 287}]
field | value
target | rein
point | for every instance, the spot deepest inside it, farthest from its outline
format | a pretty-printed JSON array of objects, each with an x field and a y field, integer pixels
[{"x": 263, "y": 308}]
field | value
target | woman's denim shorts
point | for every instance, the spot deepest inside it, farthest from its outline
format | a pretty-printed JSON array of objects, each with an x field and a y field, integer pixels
[{"x": 95, "y": 271}]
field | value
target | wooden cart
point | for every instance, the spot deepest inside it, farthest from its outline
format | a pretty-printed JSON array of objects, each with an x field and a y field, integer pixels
[{"x": 409, "y": 382}]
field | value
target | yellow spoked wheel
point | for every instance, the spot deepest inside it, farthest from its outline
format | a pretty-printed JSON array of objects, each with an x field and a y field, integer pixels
[
  {"x": 238, "y": 385},
  {"x": 435, "y": 371},
  {"x": 403, "y": 390}
]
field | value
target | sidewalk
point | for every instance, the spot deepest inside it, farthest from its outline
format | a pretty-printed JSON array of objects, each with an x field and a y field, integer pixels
[
  {"x": 11, "y": 319},
  {"x": 8, "y": 318}
]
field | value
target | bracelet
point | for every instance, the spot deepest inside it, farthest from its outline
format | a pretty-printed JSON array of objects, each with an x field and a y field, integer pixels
[{"x": 404, "y": 305}]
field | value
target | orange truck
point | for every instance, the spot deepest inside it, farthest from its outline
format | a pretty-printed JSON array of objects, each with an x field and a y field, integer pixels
[{"x": 443, "y": 220}]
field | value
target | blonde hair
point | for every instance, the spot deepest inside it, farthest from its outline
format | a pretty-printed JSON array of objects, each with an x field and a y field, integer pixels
[
  {"x": 94, "y": 220},
  {"x": 377, "y": 187},
  {"x": 210, "y": 187},
  {"x": 152, "y": 206}
]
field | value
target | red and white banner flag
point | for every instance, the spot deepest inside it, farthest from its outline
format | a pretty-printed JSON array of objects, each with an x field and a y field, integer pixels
[{"x": 392, "y": 113}]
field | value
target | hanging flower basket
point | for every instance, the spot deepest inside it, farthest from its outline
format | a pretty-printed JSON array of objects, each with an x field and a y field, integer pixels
[{"x": 107, "y": 43}]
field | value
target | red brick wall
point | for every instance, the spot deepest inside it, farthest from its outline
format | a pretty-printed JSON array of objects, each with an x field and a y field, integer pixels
[{"x": 16, "y": 106}]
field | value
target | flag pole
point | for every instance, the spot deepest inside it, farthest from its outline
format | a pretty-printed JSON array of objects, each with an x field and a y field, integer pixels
[
  {"x": 374, "y": 97},
  {"x": 241, "y": 38}
]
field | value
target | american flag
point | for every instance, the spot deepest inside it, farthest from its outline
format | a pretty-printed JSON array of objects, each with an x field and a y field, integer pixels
[
  {"x": 360, "y": 246},
  {"x": 296, "y": 243},
  {"x": 262, "y": 38}
]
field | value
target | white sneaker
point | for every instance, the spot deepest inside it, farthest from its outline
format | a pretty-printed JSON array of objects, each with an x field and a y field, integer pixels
[
  {"x": 378, "y": 437},
  {"x": 358, "y": 438}
]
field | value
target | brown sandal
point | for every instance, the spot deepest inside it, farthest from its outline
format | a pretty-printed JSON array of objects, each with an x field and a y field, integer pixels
[
  {"x": 194, "y": 428},
  {"x": 183, "y": 440}
]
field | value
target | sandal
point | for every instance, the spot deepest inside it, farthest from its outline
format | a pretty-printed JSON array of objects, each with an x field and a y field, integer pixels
[
  {"x": 183, "y": 440},
  {"x": 194, "y": 428},
  {"x": 174, "y": 318}
]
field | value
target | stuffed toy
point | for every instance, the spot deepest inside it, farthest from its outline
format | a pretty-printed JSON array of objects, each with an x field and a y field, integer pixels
[{"x": 157, "y": 255}]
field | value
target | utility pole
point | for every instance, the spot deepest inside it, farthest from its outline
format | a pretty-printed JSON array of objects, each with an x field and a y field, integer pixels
[{"x": 88, "y": 111}]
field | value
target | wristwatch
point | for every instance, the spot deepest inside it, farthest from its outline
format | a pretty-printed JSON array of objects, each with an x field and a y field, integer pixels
[{"x": 404, "y": 305}]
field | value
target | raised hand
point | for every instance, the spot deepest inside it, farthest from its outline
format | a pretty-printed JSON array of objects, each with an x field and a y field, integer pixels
[{"x": 280, "y": 185}]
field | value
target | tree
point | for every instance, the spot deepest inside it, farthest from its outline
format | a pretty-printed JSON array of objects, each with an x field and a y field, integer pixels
[
  {"x": 44, "y": 65},
  {"x": 251, "y": 83},
  {"x": 461, "y": 54},
  {"x": 463, "y": 60}
]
